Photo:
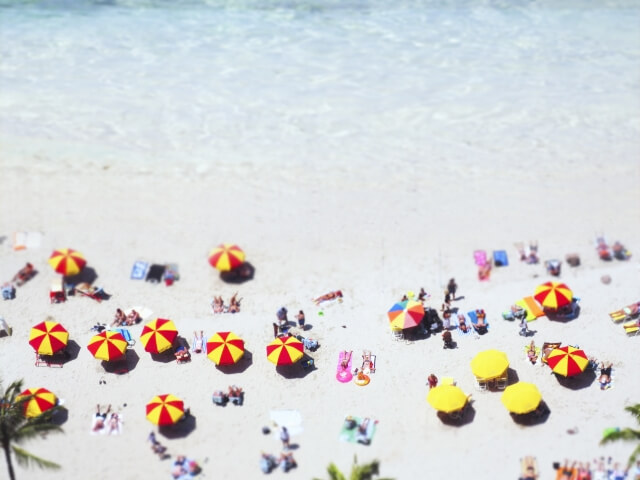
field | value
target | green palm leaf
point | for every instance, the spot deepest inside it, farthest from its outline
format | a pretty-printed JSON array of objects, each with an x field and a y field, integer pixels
[{"x": 626, "y": 434}]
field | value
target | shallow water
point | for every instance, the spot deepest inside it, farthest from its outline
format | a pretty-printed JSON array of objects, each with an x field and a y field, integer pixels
[{"x": 312, "y": 83}]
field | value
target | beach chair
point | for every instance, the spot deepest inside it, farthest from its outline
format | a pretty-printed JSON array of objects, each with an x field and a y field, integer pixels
[
  {"x": 502, "y": 381},
  {"x": 57, "y": 293},
  {"x": 632, "y": 328},
  {"x": 309, "y": 343},
  {"x": 52, "y": 361},
  {"x": 5, "y": 330},
  {"x": 553, "y": 267},
  {"x": 397, "y": 334},
  {"x": 219, "y": 398},
  {"x": 84, "y": 289},
  {"x": 368, "y": 362},
  {"x": 8, "y": 291},
  {"x": 626, "y": 313},
  {"x": 482, "y": 384},
  {"x": 238, "y": 398},
  {"x": 500, "y": 258}
]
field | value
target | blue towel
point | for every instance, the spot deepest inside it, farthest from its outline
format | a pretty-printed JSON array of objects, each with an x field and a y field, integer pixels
[
  {"x": 139, "y": 270},
  {"x": 500, "y": 258},
  {"x": 124, "y": 332}
]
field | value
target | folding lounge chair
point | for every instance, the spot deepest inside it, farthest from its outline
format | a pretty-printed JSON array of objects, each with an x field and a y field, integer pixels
[
  {"x": 88, "y": 291},
  {"x": 57, "y": 293},
  {"x": 219, "y": 398},
  {"x": 625, "y": 313},
  {"x": 632, "y": 328},
  {"x": 397, "y": 334},
  {"x": 502, "y": 381},
  {"x": 55, "y": 361}
]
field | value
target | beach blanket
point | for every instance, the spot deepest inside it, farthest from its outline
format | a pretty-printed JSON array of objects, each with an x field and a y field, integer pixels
[
  {"x": 139, "y": 270},
  {"x": 292, "y": 419},
  {"x": 500, "y": 258},
  {"x": 25, "y": 240},
  {"x": 467, "y": 321},
  {"x": 532, "y": 307},
  {"x": 480, "y": 257},
  {"x": 351, "y": 433}
]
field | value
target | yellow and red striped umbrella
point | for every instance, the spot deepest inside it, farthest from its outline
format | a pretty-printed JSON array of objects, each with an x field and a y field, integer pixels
[
  {"x": 553, "y": 294},
  {"x": 158, "y": 335},
  {"x": 39, "y": 400},
  {"x": 567, "y": 361},
  {"x": 66, "y": 261},
  {"x": 107, "y": 345},
  {"x": 48, "y": 337},
  {"x": 406, "y": 314},
  {"x": 447, "y": 398},
  {"x": 489, "y": 364},
  {"x": 225, "y": 348},
  {"x": 165, "y": 409},
  {"x": 285, "y": 350},
  {"x": 226, "y": 256}
]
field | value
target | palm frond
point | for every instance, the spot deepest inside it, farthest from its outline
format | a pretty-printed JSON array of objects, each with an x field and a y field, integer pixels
[
  {"x": 634, "y": 410},
  {"x": 625, "y": 434},
  {"x": 26, "y": 459},
  {"x": 335, "y": 473}
]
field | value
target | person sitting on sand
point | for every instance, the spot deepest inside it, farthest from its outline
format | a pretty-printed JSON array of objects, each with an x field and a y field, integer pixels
[
  {"x": 234, "y": 304},
  {"x": 267, "y": 462},
  {"x": 217, "y": 304},
  {"x": 446, "y": 338},
  {"x": 422, "y": 295},
  {"x": 446, "y": 319},
  {"x": 432, "y": 381},
  {"x": 462, "y": 323},
  {"x": 281, "y": 315},
  {"x": 182, "y": 354},
  {"x": 328, "y": 296},
  {"x": 235, "y": 394},
  {"x": 286, "y": 461},
  {"x": 120, "y": 318},
  {"x": 531, "y": 352},
  {"x": 133, "y": 317},
  {"x": 180, "y": 466},
  {"x": 605, "y": 376},
  {"x": 362, "y": 434}
]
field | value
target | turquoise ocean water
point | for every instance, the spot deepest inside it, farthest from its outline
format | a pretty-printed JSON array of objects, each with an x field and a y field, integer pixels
[{"x": 206, "y": 83}]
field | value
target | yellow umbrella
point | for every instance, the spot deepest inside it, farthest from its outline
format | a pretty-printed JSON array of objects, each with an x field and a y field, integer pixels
[
  {"x": 447, "y": 398},
  {"x": 521, "y": 397},
  {"x": 489, "y": 364}
]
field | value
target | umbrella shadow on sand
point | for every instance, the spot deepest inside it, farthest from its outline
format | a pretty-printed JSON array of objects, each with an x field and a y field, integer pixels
[
  {"x": 71, "y": 351},
  {"x": 240, "y": 366},
  {"x": 294, "y": 371},
  {"x": 240, "y": 274},
  {"x": 467, "y": 417},
  {"x": 129, "y": 362},
  {"x": 180, "y": 429},
  {"x": 577, "y": 382},
  {"x": 537, "y": 417},
  {"x": 86, "y": 275}
]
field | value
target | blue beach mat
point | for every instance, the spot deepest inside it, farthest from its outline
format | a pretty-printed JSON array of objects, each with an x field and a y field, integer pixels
[
  {"x": 139, "y": 270},
  {"x": 500, "y": 258}
]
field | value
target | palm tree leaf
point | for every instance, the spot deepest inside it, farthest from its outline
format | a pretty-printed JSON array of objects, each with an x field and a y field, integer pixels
[
  {"x": 26, "y": 459},
  {"x": 623, "y": 434},
  {"x": 335, "y": 473}
]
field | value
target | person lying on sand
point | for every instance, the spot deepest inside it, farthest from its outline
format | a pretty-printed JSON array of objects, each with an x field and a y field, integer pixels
[
  {"x": 218, "y": 305},
  {"x": 462, "y": 323},
  {"x": 531, "y": 352},
  {"x": 100, "y": 418},
  {"x": 133, "y": 318},
  {"x": 234, "y": 304},
  {"x": 120, "y": 318},
  {"x": 328, "y": 296},
  {"x": 605, "y": 376}
]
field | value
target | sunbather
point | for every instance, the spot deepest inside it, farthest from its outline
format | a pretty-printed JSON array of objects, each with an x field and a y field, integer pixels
[
  {"x": 328, "y": 296},
  {"x": 346, "y": 358},
  {"x": 198, "y": 342},
  {"x": 234, "y": 304},
  {"x": 24, "y": 274},
  {"x": 133, "y": 317},
  {"x": 217, "y": 304},
  {"x": 532, "y": 355},
  {"x": 462, "y": 323},
  {"x": 481, "y": 315},
  {"x": 605, "y": 376},
  {"x": 113, "y": 424},
  {"x": 120, "y": 318},
  {"x": 100, "y": 418}
]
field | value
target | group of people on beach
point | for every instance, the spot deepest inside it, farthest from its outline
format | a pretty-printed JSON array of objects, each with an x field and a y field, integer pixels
[
  {"x": 218, "y": 306},
  {"x": 122, "y": 319},
  {"x": 106, "y": 421},
  {"x": 598, "y": 469}
]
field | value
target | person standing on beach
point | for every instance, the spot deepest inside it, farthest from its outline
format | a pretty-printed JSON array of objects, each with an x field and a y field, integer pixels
[
  {"x": 284, "y": 437},
  {"x": 301, "y": 319},
  {"x": 452, "y": 287}
]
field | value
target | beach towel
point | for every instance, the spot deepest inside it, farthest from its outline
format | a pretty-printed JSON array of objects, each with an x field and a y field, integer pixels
[
  {"x": 199, "y": 345},
  {"x": 532, "y": 307},
  {"x": 26, "y": 240},
  {"x": 500, "y": 258},
  {"x": 480, "y": 257},
  {"x": 292, "y": 419},
  {"x": 106, "y": 427},
  {"x": 351, "y": 433},
  {"x": 139, "y": 270},
  {"x": 344, "y": 375},
  {"x": 474, "y": 320},
  {"x": 467, "y": 321}
]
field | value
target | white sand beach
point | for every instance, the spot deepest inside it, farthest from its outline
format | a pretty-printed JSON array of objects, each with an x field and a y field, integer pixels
[{"x": 374, "y": 234}]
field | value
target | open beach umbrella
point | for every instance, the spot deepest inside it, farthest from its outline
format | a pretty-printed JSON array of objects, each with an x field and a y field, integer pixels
[
  {"x": 285, "y": 350},
  {"x": 66, "y": 261},
  {"x": 447, "y": 398},
  {"x": 553, "y": 295},
  {"x": 165, "y": 409},
  {"x": 521, "y": 397},
  {"x": 48, "y": 337},
  {"x": 107, "y": 345},
  {"x": 226, "y": 256},
  {"x": 489, "y": 364},
  {"x": 39, "y": 401},
  {"x": 567, "y": 361},
  {"x": 225, "y": 348},
  {"x": 158, "y": 335},
  {"x": 406, "y": 314}
]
